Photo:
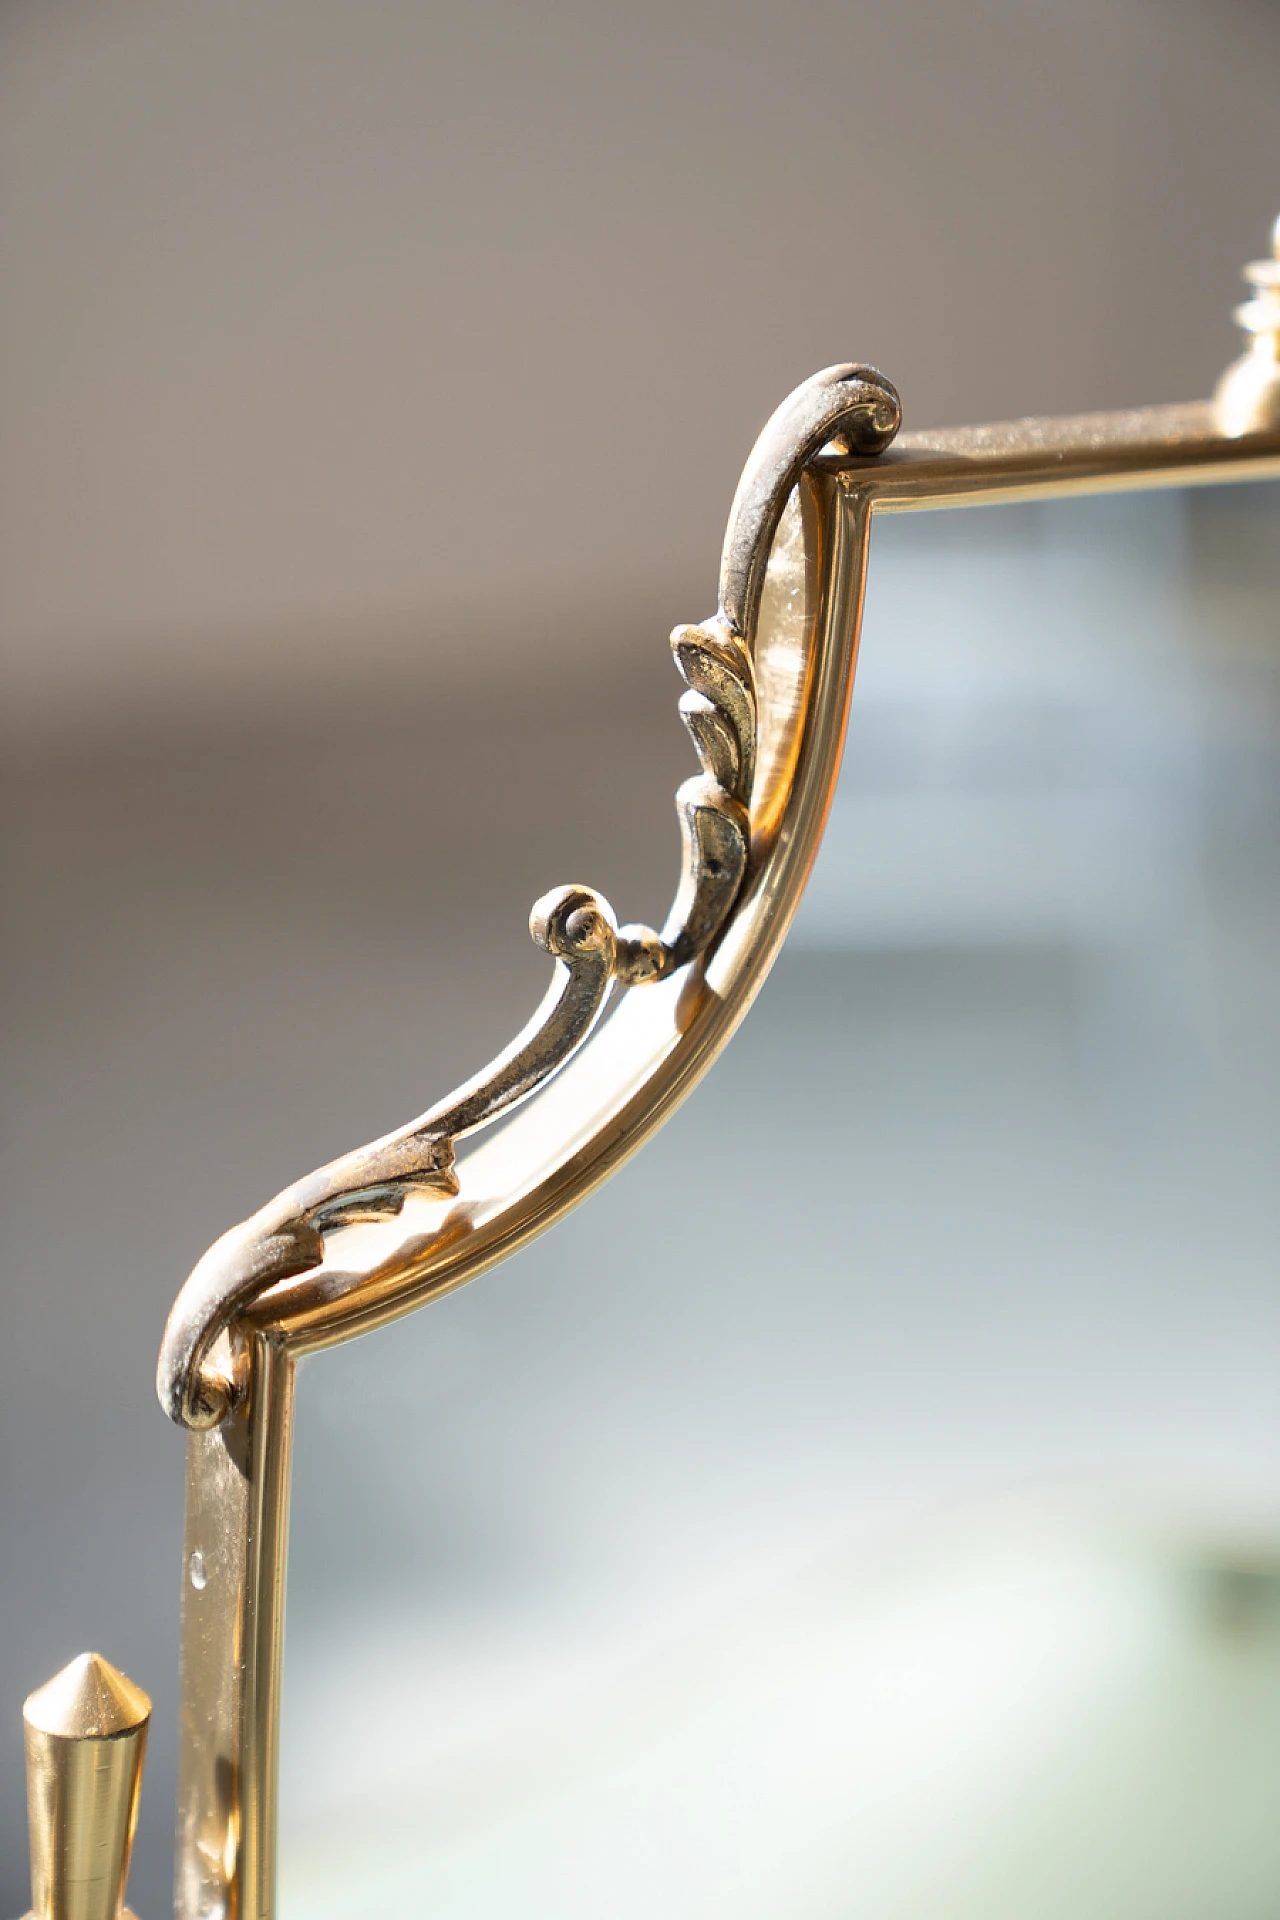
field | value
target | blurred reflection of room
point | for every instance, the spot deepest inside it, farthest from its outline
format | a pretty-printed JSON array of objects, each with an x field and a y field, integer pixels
[
  {"x": 872, "y": 1494},
  {"x": 372, "y": 407}
]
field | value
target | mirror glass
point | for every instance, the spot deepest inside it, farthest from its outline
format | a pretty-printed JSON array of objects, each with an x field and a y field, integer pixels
[{"x": 869, "y": 1502}]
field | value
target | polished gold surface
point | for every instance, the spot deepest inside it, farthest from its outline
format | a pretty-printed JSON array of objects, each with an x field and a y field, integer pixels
[{"x": 86, "y": 1738}]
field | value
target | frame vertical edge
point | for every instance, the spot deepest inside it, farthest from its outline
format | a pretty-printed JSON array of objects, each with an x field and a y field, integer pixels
[{"x": 235, "y": 1550}]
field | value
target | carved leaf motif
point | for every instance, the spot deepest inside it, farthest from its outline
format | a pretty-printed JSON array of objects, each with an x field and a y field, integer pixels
[{"x": 848, "y": 405}]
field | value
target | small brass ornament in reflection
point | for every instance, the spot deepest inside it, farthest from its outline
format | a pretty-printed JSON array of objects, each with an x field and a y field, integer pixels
[{"x": 1248, "y": 395}]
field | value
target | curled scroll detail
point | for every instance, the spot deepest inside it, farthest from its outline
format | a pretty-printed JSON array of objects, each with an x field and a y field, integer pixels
[{"x": 852, "y": 409}]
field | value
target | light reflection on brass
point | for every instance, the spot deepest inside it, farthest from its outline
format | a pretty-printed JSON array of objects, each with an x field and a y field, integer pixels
[{"x": 86, "y": 1738}]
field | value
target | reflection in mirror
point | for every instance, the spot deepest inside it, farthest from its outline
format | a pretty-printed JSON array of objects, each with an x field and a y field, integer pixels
[{"x": 870, "y": 1501}]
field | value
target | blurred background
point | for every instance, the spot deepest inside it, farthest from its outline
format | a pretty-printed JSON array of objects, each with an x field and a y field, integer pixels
[
  {"x": 375, "y": 380},
  {"x": 870, "y": 1502}
]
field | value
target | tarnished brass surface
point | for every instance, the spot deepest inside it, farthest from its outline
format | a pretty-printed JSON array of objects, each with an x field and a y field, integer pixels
[{"x": 86, "y": 1739}]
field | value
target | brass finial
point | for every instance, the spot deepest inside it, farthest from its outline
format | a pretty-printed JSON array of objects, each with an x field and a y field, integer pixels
[
  {"x": 1248, "y": 395},
  {"x": 86, "y": 1733}
]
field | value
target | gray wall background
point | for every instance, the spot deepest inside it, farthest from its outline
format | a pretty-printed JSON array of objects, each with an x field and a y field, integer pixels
[
  {"x": 332, "y": 326},
  {"x": 374, "y": 382}
]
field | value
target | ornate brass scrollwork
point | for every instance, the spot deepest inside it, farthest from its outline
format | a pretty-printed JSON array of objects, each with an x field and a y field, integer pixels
[
  {"x": 576, "y": 1093},
  {"x": 851, "y": 409},
  {"x": 275, "y": 1289}
]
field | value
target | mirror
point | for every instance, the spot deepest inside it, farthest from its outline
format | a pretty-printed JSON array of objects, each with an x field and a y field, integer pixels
[{"x": 870, "y": 1500}]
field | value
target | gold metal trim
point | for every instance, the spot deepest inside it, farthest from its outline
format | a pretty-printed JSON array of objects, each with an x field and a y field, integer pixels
[
  {"x": 235, "y": 1551},
  {"x": 386, "y": 1229},
  {"x": 201, "y": 1372},
  {"x": 1178, "y": 446},
  {"x": 598, "y": 1109},
  {"x": 606, "y": 1101},
  {"x": 86, "y": 1740}
]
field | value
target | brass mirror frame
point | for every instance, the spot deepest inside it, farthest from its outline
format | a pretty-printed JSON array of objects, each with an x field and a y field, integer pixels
[
  {"x": 603, "y": 1106},
  {"x": 392, "y": 1226}
]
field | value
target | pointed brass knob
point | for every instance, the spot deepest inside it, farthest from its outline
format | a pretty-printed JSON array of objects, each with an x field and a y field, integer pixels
[{"x": 86, "y": 1734}]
